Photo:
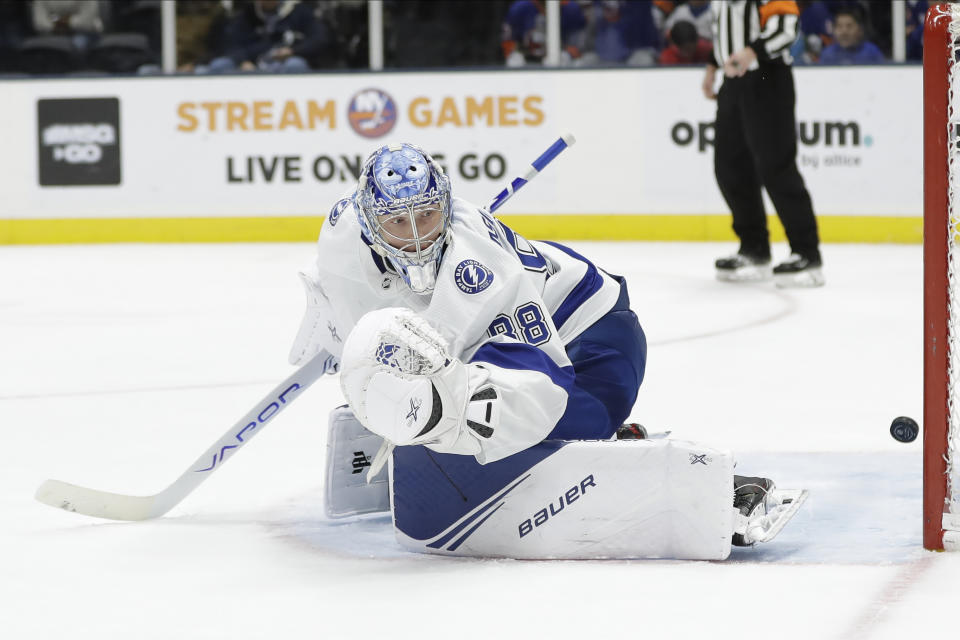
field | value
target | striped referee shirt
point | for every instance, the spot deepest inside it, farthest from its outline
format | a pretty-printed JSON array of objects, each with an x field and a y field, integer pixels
[{"x": 769, "y": 27}]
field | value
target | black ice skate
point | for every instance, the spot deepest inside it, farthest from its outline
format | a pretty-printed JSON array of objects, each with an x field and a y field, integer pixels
[
  {"x": 636, "y": 431},
  {"x": 749, "y": 498},
  {"x": 799, "y": 271},
  {"x": 742, "y": 267},
  {"x": 762, "y": 510},
  {"x": 632, "y": 431}
]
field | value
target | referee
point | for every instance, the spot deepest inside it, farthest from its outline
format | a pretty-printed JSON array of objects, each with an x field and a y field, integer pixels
[{"x": 756, "y": 140}]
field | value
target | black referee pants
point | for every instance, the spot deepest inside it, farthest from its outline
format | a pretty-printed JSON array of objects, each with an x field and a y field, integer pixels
[{"x": 756, "y": 146}]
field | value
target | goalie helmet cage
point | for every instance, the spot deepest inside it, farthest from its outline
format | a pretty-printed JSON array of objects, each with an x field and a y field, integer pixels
[{"x": 941, "y": 276}]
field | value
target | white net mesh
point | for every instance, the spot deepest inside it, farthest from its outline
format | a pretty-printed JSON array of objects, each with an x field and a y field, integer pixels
[
  {"x": 411, "y": 347},
  {"x": 953, "y": 265},
  {"x": 405, "y": 359}
]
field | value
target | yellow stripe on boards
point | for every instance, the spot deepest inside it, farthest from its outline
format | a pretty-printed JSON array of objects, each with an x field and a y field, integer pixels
[
  {"x": 677, "y": 228},
  {"x": 105, "y": 230},
  {"x": 708, "y": 228}
]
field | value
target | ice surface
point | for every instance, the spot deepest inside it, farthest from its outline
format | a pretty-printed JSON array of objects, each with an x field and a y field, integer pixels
[{"x": 119, "y": 364}]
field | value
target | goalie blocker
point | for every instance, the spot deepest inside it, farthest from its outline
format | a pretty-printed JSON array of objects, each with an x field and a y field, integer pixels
[{"x": 657, "y": 498}]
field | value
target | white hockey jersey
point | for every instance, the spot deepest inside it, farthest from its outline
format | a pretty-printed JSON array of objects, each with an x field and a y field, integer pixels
[{"x": 494, "y": 288}]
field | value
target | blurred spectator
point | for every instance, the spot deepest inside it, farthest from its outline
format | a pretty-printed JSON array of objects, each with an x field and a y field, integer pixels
[
  {"x": 65, "y": 31},
  {"x": 916, "y": 14},
  {"x": 79, "y": 19},
  {"x": 686, "y": 45},
  {"x": 662, "y": 9},
  {"x": 272, "y": 35},
  {"x": 875, "y": 18},
  {"x": 524, "y": 38},
  {"x": 816, "y": 18},
  {"x": 621, "y": 32},
  {"x": 806, "y": 49},
  {"x": 815, "y": 31},
  {"x": 200, "y": 31},
  {"x": 696, "y": 12},
  {"x": 850, "y": 45}
]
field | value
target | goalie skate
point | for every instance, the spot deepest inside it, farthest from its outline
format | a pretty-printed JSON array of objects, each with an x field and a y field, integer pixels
[
  {"x": 763, "y": 517},
  {"x": 636, "y": 431}
]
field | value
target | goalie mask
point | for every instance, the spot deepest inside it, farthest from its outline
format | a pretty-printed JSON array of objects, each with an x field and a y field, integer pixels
[{"x": 403, "y": 205}]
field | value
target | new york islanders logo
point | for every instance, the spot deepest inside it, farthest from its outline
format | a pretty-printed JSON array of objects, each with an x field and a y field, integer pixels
[
  {"x": 472, "y": 277},
  {"x": 372, "y": 113}
]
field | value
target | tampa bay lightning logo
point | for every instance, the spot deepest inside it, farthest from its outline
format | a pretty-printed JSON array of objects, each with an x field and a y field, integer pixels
[
  {"x": 337, "y": 210},
  {"x": 472, "y": 277}
]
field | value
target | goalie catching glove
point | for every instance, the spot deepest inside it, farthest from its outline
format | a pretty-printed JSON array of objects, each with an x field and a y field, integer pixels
[{"x": 402, "y": 384}]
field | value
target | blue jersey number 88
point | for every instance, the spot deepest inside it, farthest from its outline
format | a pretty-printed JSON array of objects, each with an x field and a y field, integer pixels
[{"x": 527, "y": 324}]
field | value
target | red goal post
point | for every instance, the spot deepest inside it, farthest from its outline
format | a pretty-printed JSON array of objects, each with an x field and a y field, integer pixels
[{"x": 941, "y": 276}]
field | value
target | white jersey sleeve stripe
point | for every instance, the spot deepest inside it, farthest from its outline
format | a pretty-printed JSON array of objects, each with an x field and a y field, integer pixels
[
  {"x": 589, "y": 285},
  {"x": 509, "y": 355}
]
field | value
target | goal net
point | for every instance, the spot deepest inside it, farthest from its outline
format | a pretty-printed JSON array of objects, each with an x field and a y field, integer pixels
[{"x": 941, "y": 297}]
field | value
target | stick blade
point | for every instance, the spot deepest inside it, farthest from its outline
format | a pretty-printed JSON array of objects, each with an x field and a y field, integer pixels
[{"x": 99, "y": 504}]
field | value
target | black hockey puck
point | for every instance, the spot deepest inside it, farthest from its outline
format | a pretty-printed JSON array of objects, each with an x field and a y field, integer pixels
[{"x": 904, "y": 429}]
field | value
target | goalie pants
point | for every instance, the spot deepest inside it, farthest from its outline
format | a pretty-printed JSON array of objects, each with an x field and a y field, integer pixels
[
  {"x": 756, "y": 146},
  {"x": 609, "y": 360}
]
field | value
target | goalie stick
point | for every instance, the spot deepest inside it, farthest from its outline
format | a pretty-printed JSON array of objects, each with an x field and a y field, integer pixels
[
  {"x": 545, "y": 158},
  {"x": 118, "y": 506}
]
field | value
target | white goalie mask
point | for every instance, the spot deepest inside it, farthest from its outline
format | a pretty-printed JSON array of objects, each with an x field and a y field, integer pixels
[{"x": 403, "y": 205}]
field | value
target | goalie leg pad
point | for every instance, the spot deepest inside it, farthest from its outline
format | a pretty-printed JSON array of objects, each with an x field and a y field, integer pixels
[
  {"x": 349, "y": 491},
  {"x": 568, "y": 499}
]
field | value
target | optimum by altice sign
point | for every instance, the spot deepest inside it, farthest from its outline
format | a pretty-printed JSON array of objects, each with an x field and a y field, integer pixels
[{"x": 79, "y": 141}]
